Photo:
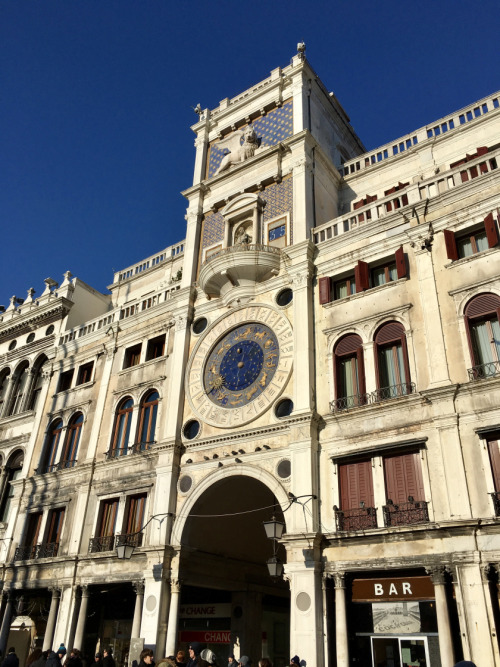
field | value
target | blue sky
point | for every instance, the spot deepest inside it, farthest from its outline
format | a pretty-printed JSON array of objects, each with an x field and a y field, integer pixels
[{"x": 96, "y": 97}]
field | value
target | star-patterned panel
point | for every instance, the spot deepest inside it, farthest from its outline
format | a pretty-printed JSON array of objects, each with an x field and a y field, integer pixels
[{"x": 270, "y": 129}]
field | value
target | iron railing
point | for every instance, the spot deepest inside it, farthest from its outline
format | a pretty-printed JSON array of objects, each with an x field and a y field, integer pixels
[
  {"x": 382, "y": 394},
  {"x": 62, "y": 465},
  {"x": 45, "y": 550},
  {"x": 484, "y": 371},
  {"x": 129, "y": 540},
  {"x": 136, "y": 448},
  {"x": 404, "y": 514},
  {"x": 359, "y": 518},
  {"x": 496, "y": 502},
  {"x": 100, "y": 544}
]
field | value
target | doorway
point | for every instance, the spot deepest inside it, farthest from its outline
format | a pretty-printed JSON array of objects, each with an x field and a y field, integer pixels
[{"x": 400, "y": 652}]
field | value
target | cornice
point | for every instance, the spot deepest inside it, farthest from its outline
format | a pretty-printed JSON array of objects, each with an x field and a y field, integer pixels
[{"x": 47, "y": 313}]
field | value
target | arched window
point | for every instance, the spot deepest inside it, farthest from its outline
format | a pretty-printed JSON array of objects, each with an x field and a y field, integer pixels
[
  {"x": 391, "y": 361},
  {"x": 68, "y": 459},
  {"x": 349, "y": 372},
  {"x": 4, "y": 384},
  {"x": 36, "y": 386},
  {"x": 20, "y": 380},
  {"x": 121, "y": 428},
  {"x": 13, "y": 471},
  {"x": 147, "y": 420},
  {"x": 47, "y": 461},
  {"x": 482, "y": 315}
]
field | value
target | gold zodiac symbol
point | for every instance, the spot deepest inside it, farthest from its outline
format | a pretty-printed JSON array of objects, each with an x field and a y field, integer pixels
[
  {"x": 218, "y": 381},
  {"x": 243, "y": 334},
  {"x": 251, "y": 393},
  {"x": 263, "y": 380},
  {"x": 268, "y": 344},
  {"x": 261, "y": 334},
  {"x": 270, "y": 364}
]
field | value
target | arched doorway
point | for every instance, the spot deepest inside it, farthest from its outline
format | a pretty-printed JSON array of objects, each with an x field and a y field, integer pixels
[{"x": 228, "y": 600}]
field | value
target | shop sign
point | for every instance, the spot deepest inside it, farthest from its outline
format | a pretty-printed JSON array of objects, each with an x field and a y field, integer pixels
[
  {"x": 385, "y": 590},
  {"x": 205, "y": 611},
  {"x": 205, "y": 636}
]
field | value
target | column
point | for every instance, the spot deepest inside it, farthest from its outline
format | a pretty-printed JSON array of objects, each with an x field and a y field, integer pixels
[
  {"x": 341, "y": 643},
  {"x": 4, "y": 631},
  {"x": 325, "y": 616},
  {"x": 82, "y": 617},
  {"x": 175, "y": 590},
  {"x": 138, "y": 587},
  {"x": 443, "y": 617},
  {"x": 303, "y": 361},
  {"x": 51, "y": 623}
]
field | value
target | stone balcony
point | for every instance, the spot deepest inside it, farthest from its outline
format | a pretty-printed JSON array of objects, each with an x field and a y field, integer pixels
[{"x": 241, "y": 265}]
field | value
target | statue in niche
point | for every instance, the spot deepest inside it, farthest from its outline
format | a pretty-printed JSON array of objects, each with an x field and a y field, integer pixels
[
  {"x": 238, "y": 151},
  {"x": 242, "y": 236}
]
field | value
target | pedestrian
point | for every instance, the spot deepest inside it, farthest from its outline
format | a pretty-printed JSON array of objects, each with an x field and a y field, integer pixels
[
  {"x": 231, "y": 661},
  {"x": 180, "y": 659},
  {"x": 244, "y": 661},
  {"x": 265, "y": 662},
  {"x": 97, "y": 659},
  {"x": 107, "y": 657},
  {"x": 53, "y": 660},
  {"x": 295, "y": 661},
  {"x": 11, "y": 659},
  {"x": 146, "y": 659},
  {"x": 33, "y": 657},
  {"x": 195, "y": 660},
  {"x": 74, "y": 659},
  {"x": 209, "y": 657}
]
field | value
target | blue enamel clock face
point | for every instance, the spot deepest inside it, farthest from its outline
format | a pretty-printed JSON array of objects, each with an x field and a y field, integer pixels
[{"x": 241, "y": 365}]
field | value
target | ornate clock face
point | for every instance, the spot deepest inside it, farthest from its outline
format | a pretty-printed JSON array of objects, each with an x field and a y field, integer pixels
[{"x": 240, "y": 366}]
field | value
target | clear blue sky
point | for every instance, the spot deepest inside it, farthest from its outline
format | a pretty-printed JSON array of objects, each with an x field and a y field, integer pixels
[{"x": 96, "y": 97}]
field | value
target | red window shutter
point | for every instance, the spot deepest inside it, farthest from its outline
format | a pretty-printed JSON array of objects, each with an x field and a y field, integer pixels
[
  {"x": 451, "y": 245},
  {"x": 464, "y": 176},
  {"x": 356, "y": 485},
  {"x": 358, "y": 204},
  {"x": 361, "y": 370},
  {"x": 388, "y": 206},
  {"x": 361, "y": 276},
  {"x": 403, "y": 477},
  {"x": 494, "y": 452},
  {"x": 400, "y": 262},
  {"x": 324, "y": 289},
  {"x": 404, "y": 200},
  {"x": 491, "y": 230},
  {"x": 469, "y": 340},
  {"x": 482, "y": 150}
]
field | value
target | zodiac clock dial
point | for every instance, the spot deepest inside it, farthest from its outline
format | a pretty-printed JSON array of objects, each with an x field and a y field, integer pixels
[{"x": 240, "y": 366}]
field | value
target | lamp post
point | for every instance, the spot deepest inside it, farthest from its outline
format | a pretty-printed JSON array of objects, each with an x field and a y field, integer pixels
[
  {"x": 274, "y": 530},
  {"x": 125, "y": 544}
]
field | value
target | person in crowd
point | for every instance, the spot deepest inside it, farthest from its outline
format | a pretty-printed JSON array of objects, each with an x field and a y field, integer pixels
[
  {"x": 74, "y": 659},
  {"x": 146, "y": 658},
  {"x": 265, "y": 662},
  {"x": 97, "y": 659},
  {"x": 33, "y": 657},
  {"x": 53, "y": 660},
  {"x": 107, "y": 657},
  {"x": 195, "y": 659},
  {"x": 11, "y": 659},
  {"x": 209, "y": 657},
  {"x": 231, "y": 661},
  {"x": 244, "y": 661},
  {"x": 295, "y": 661},
  {"x": 180, "y": 659}
]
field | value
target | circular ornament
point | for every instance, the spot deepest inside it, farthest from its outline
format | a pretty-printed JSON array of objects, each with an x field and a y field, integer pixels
[{"x": 240, "y": 366}]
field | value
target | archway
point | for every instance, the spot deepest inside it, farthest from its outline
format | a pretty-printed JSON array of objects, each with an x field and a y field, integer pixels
[{"x": 228, "y": 599}]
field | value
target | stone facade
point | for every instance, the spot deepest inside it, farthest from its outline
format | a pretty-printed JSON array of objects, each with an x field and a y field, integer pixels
[{"x": 323, "y": 346}]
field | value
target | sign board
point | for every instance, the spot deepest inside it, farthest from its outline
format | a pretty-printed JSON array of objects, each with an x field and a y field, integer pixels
[
  {"x": 205, "y": 611},
  {"x": 398, "y": 588},
  {"x": 205, "y": 636}
]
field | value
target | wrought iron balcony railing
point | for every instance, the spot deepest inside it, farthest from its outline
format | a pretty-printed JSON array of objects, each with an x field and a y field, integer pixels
[
  {"x": 100, "y": 544},
  {"x": 129, "y": 540},
  {"x": 496, "y": 502},
  {"x": 62, "y": 465},
  {"x": 45, "y": 550},
  {"x": 484, "y": 371},
  {"x": 136, "y": 448},
  {"x": 382, "y": 394},
  {"x": 405, "y": 514},
  {"x": 359, "y": 518}
]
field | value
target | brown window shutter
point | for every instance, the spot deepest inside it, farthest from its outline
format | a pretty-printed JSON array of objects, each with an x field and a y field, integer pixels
[
  {"x": 404, "y": 200},
  {"x": 481, "y": 150},
  {"x": 482, "y": 305},
  {"x": 494, "y": 452},
  {"x": 361, "y": 276},
  {"x": 403, "y": 477},
  {"x": 356, "y": 485},
  {"x": 491, "y": 230},
  {"x": 469, "y": 341},
  {"x": 400, "y": 262},
  {"x": 361, "y": 371},
  {"x": 451, "y": 244},
  {"x": 324, "y": 290},
  {"x": 464, "y": 176}
]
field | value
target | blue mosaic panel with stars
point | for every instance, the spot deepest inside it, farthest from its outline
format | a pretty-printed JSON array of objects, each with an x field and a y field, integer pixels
[{"x": 270, "y": 129}]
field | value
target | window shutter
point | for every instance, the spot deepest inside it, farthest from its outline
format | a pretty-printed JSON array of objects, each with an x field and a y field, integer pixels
[
  {"x": 356, "y": 485},
  {"x": 361, "y": 371},
  {"x": 491, "y": 230},
  {"x": 400, "y": 263},
  {"x": 403, "y": 477},
  {"x": 451, "y": 245},
  {"x": 361, "y": 276},
  {"x": 324, "y": 290}
]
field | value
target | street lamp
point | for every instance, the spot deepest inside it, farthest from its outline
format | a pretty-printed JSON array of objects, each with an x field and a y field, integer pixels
[
  {"x": 125, "y": 544},
  {"x": 274, "y": 529},
  {"x": 275, "y": 567}
]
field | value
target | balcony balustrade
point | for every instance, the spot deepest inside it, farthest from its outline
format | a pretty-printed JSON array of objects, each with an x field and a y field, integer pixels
[
  {"x": 382, "y": 394},
  {"x": 44, "y": 550},
  {"x": 62, "y": 465},
  {"x": 129, "y": 540},
  {"x": 405, "y": 514},
  {"x": 359, "y": 518},
  {"x": 100, "y": 544},
  {"x": 136, "y": 448},
  {"x": 484, "y": 371}
]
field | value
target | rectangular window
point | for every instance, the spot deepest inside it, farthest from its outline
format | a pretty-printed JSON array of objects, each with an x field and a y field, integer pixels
[
  {"x": 473, "y": 241},
  {"x": 383, "y": 274},
  {"x": 134, "y": 514},
  {"x": 276, "y": 232},
  {"x": 155, "y": 348},
  {"x": 32, "y": 533},
  {"x": 345, "y": 287},
  {"x": 404, "y": 489},
  {"x": 357, "y": 511},
  {"x": 107, "y": 518},
  {"x": 85, "y": 373},
  {"x": 132, "y": 356},
  {"x": 54, "y": 526},
  {"x": 65, "y": 380}
]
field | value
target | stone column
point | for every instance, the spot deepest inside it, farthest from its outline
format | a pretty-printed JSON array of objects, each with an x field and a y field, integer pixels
[
  {"x": 4, "y": 631},
  {"x": 325, "y": 616},
  {"x": 341, "y": 643},
  {"x": 139, "y": 598},
  {"x": 443, "y": 617},
  {"x": 175, "y": 591},
  {"x": 82, "y": 617},
  {"x": 51, "y": 623}
]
